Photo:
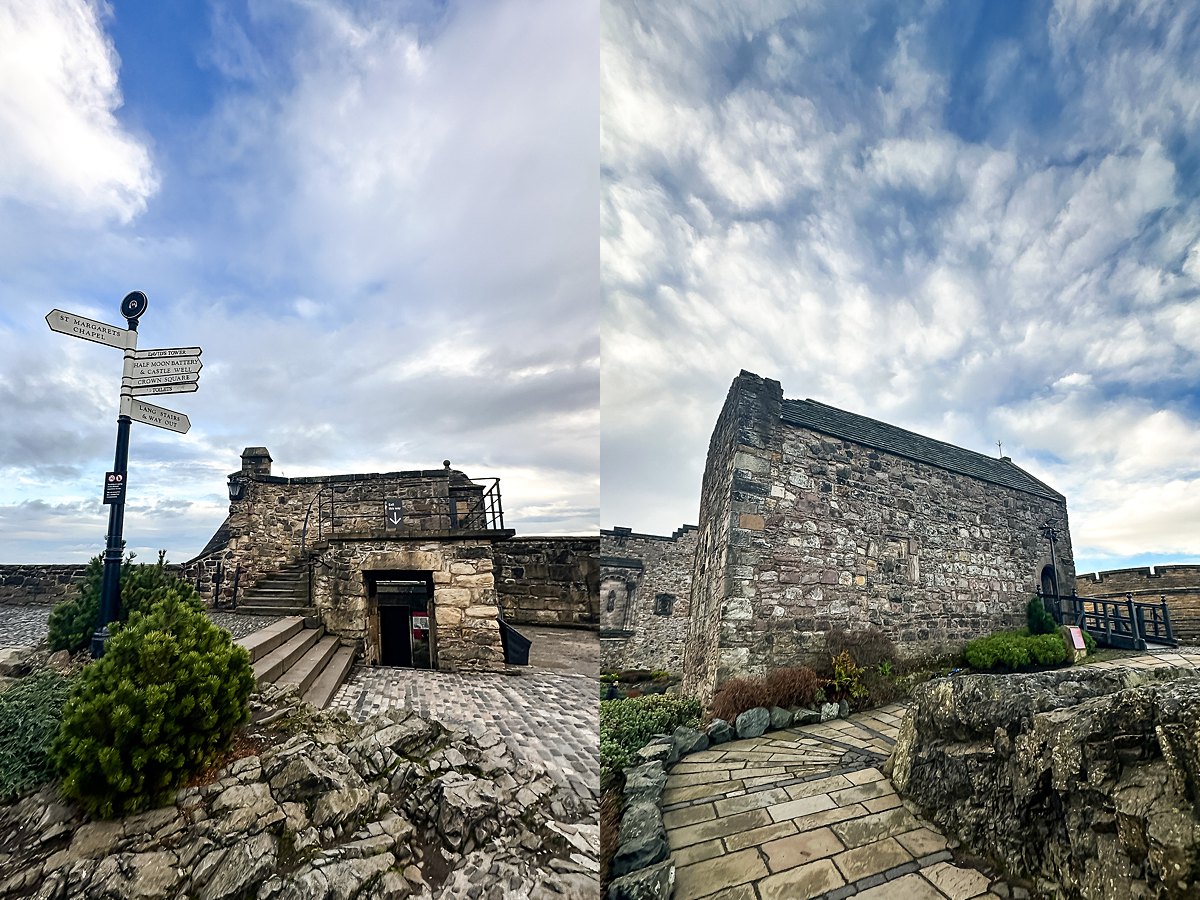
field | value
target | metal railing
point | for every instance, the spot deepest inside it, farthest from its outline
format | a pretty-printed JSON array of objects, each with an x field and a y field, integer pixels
[
  {"x": 473, "y": 506},
  {"x": 1128, "y": 624}
]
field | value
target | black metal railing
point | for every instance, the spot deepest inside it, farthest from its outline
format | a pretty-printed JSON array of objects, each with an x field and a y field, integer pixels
[
  {"x": 1125, "y": 623},
  {"x": 470, "y": 506}
]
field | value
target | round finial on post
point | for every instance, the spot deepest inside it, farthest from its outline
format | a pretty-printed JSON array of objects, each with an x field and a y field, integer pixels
[{"x": 446, "y": 463}]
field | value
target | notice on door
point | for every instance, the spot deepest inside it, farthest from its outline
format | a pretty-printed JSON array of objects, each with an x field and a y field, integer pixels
[{"x": 421, "y": 622}]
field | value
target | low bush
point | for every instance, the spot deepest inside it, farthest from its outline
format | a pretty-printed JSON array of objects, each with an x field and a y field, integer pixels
[
  {"x": 161, "y": 705},
  {"x": 1013, "y": 650},
  {"x": 73, "y": 621},
  {"x": 1038, "y": 620},
  {"x": 846, "y": 682},
  {"x": 791, "y": 686},
  {"x": 30, "y": 714},
  {"x": 869, "y": 648},
  {"x": 736, "y": 696},
  {"x": 627, "y": 725}
]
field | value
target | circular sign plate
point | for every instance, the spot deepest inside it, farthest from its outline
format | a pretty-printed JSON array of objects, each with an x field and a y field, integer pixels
[{"x": 134, "y": 304}]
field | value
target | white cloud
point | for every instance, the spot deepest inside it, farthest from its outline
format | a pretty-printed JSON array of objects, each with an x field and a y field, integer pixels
[{"x": 63, "y": 148}]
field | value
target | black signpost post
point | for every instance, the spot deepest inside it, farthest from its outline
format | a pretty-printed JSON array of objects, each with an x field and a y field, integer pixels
[
  {"x": 168, "y": 370},
  {"x": 132, "y": 308}
]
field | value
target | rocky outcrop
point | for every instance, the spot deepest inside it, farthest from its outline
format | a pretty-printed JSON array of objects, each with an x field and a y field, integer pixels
[
  {"x": 1085, "y": 781},
  {"x": 398, "y": 807}
]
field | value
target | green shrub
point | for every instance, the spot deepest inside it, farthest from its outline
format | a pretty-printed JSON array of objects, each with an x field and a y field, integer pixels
[
  {"x": 1089, "y": 642},
  {"x": 162, "y": 704},
  {"x": 846, "y": 683},
  {"x": 1038, "y": 620},
  {"x": 30, "y": 713},
  {"x": 73, "y": 621},
  {"x": 1012, "y": 650},
  {"x": 627, "y": 725}
]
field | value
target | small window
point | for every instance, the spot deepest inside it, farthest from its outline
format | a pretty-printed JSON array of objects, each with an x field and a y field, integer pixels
[
  {"x": 611, "y": 603},
  {"x": 663, "y": 604}
]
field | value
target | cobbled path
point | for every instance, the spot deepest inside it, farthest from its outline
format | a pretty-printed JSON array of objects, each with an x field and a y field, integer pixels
[
  {"x": 24, "y": 626},
  {"x": 546, "y": 718}
]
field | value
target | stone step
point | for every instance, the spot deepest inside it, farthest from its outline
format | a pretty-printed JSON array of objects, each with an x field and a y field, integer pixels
[
  {"x": 283, "y": 657},
  {"x": 267, "y": 638},
  {"x": 261, "y": 598},
  {"x": 255, "y": 609},
  {"x": 326, "y": 684},
  {"x": 310, "y": 665}
]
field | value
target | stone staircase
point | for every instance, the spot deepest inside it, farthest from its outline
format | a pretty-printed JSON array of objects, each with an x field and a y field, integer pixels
[
  {"x": 290, "y": 652},
  {"x": 282, "y": 593}
]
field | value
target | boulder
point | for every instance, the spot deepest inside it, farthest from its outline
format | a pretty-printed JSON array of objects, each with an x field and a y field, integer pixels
[
  {"x": 643, "y": 839},
  {"x": 829, "y": 711},
  {"x": 688, "y": 740},
  {"x": 719, "y": 731},
  {"x": 752, "y": 722},
  {"x": 780, "y": 718},
  {"x": 645, "y": 782},
  {"x": 802, "y": 715},
  {"x": 653, "y": 883},
  {"x": 1085, "y": 780},
  {"x": 660, "y": 749}
]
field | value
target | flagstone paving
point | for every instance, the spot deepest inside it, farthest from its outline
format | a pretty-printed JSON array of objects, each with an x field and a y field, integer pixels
[{"x": 807, "y": 813}]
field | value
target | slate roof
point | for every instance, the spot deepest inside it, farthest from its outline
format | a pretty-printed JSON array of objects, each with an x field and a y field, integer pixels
[
  {"x": 218, "y": 541},
  {"x": 909, "y": 444}
]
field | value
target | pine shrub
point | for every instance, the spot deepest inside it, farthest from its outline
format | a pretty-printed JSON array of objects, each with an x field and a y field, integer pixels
[
  {"x": 73, "y": 622},
  {"x": 1038, "y": 620},
  {"x": 161, "y": 705},
  {"x": 30, "y": 713},
  {"x": 1012, "y": 650}
]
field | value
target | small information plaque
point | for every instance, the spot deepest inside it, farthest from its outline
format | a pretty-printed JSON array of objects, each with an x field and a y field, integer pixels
[
  {"x": 1077, "y": 637},
  {"x": 114, "y": 487}
]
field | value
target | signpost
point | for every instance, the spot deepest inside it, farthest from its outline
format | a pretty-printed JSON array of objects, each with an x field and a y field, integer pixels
[{"x": 169, "y": 370}]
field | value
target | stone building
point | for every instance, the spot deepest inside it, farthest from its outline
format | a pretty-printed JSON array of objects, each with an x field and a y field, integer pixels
[
  {"x": 1178, "y": 585},
  {"x": 815, "y": 518},
  {"x": 403, "y": 563},
  {"x": 645, "y": 595}
]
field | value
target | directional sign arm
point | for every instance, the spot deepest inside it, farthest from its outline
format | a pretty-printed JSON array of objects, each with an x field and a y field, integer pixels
[{"x": 91, "y": 330}]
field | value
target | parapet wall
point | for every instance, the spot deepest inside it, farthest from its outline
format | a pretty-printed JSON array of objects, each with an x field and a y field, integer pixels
[
  {"x": 30, "y": 584},
  {"x": 1179, "y": 585},
  {"x": 549, "y": 580}
]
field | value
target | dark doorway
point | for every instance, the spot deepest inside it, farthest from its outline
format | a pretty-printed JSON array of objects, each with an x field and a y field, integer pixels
[
  {"x": 404, "y": 601},
  {"x": 1049, "y": 582}
]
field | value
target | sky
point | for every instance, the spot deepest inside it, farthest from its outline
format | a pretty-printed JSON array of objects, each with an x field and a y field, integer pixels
[
  {"x": 978, "y": 221},
  {"x": 378, "y": 219}
]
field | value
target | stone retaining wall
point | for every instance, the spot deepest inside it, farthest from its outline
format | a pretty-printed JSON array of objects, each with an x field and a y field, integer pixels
[{"x": 549, "y": 580}]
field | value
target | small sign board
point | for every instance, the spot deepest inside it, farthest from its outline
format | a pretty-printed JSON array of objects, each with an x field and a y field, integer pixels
[
  {"x": 393, "y": 515},
  {"x": 420, "y": 623},
  {"x": 88, "y": 329},
  {"x": 168, "y": 353},
  {"x": 114, "y": 487},
  {"x": 141, "y": 411},
  {"x": 173, "y": 387},
  {"x": 1077, "y": 637},
  {"x": 146, "y": 368}
]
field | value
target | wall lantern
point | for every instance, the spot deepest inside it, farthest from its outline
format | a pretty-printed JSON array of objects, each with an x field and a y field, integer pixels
[{"x": 237, "y": 489}]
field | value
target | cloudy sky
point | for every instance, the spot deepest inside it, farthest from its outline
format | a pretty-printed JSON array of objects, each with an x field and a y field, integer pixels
[
  {"x": 979, "y": 221},
  {"x": 379, "y": 220}
]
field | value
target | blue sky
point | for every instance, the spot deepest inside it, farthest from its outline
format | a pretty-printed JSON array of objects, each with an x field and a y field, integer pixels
[
  {"x": 377, "y": 218},
  {"x": 979, "y": 221}
]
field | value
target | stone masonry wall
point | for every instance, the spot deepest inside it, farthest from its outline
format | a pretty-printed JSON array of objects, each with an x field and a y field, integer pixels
[
  {"x": 826, "y": 533},
  {"x": 549, "y": 580},
  {"x": 640, "y": 635},
  {"x": 32, "y": 584},
  {"x": 1179, "y": 584},
  {"x": 466, "y": 634},
  {"x": 266, "y": 525},
  {"x": 747, "y": 419}
]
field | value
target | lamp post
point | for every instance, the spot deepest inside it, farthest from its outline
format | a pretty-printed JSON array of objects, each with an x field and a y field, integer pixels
[{"x": 1051, "y": 533}]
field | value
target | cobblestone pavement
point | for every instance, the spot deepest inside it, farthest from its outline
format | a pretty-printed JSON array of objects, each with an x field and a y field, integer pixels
[
  {"x": 807, "y": 813},
  {"x": 551, "y": 719},
  {"x": 24, "y": 626}
]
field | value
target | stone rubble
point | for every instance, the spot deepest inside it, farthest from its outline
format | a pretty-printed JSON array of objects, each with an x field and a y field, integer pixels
[{"x": 399, "y": 807}]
